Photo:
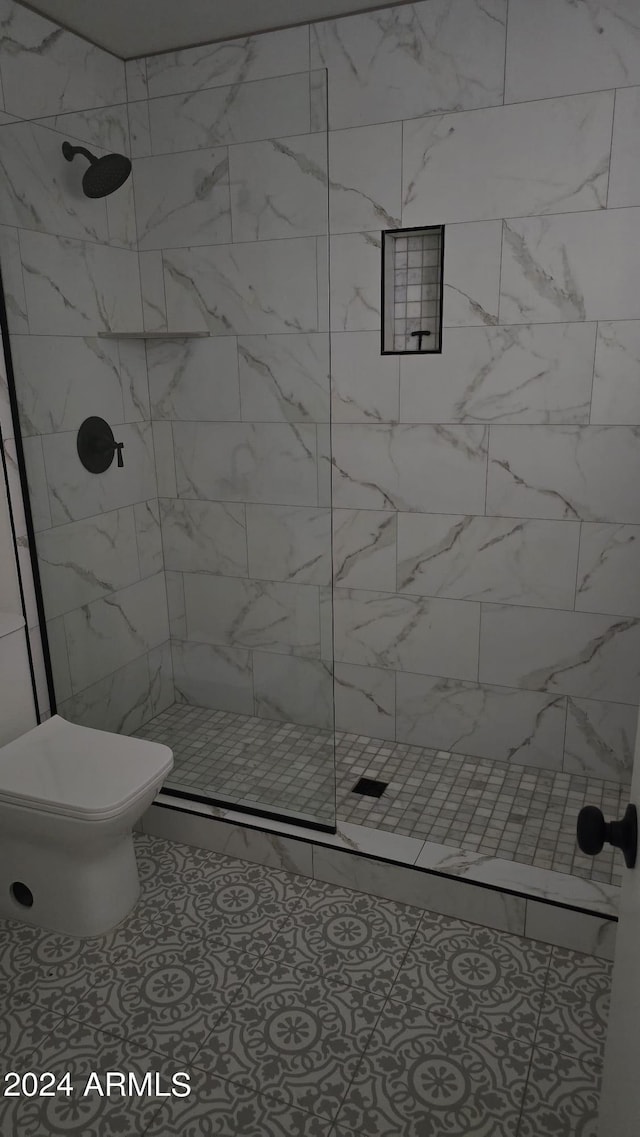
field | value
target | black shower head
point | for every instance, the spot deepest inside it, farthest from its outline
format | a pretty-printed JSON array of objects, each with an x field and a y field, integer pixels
[{"x": 104, "y": 175}]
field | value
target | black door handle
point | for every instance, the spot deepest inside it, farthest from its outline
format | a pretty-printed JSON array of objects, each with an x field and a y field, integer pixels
[{"x": 593, "y": 831}]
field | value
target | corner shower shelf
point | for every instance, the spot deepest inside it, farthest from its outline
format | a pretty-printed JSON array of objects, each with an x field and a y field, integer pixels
[{"x": 151, "y": 335}]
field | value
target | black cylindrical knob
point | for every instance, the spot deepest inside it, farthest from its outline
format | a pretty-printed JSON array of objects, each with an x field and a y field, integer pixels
[{"x": 593, "y": 831}]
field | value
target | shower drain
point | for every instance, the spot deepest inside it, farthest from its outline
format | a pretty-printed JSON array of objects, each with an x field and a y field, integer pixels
[{"x": 369, "y": 787}]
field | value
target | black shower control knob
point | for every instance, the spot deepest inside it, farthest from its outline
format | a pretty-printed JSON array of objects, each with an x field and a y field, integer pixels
[{"x": 594, "y": 832}]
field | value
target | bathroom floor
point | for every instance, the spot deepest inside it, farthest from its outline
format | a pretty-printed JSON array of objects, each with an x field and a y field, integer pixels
[
  {"x": 299, "y": 1009},
  {"x": 518, "y": 813}
]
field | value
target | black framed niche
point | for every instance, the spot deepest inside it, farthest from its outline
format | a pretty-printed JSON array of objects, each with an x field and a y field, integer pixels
[{"x": 412, "y": 287}]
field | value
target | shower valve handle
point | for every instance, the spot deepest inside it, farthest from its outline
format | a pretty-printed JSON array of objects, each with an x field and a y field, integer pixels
[{"x": 594, "y": 831}]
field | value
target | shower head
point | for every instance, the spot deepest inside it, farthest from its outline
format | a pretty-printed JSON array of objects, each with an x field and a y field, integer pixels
[{"x": 104, "y": 175}]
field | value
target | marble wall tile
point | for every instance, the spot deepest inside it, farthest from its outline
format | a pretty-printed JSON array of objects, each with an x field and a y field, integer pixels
[
  {"x": 154, "y": 301},
  {"x": 318, "y": 99},
  {"x": 254, "y": 288},
  {"x": 365, "y": 186},
  {"x": 46, "y": 69},
  {"x": 472, "y": 260},
  {"x": 584, "y": 473},
  {"x": 365, "y": 700},
  {"x": 230, "y": 62},
  {"x": 75, "y": 494},
  {"x": 135, "y": 71},
  {"x": 566, "y": 170},
  {"x": 194, "y": 379},
  {"x": 616, "y": 391},
  {"x": 574, "y": 266},
  {"x": 139, "y": 129},
  {"x": 364, "y": 549},
  {"x": 37, "y": 478},
  {"x": 149, "y": 537},
  {"x": 410, "y": 633},
  {"x": 279, "y": 188},
  {"x": 600, "y": 739},
  {"x": 161, "y": 690},
  {"x": 325, "y": 594},
  {"x": 572, "y": 653},
  {"x": 231, "y": 612},
  {"x": 435, "y": 469},
  {"x": 323, "y": 279},
  {"x": 61, "y": 380},
  {"x": 609, "y": 569},
  {"x": 556, "y": 47},
  {"x": 78, "y": 288},
  {"x": 364, "y": 383},
  {"x": 204, "y": 536},
  {"x": 289, "y": 543},
  {"x": 577, "y": 931},
  {"x": 625, "y": 160},
  {"x": 284, "y": 377},
  {"x": 133, "y": 379},
  {"x": 294, "y": 690},
  {"x": 175, "y": 605},
  {"x": 106, "y": 128},
  {"x": 12, "y": 280},
  {"x": 59, "y": 659},
  {"x": 323, "y": 465},
  {"x": 119, "y": 702},
  {"x": 104, "y": 635},
  {"x": 85, "y": 560},
  {"x": 183, "y": 201},
  {"x": 488, "y": 558},
  {"x": 539, "y": 373},
  {"x": 411, "y": 60},
  {"x": 165, "y": 467},
  {"x": 260, "y": 462},
  {"x": 246, "y": 112},
  {"x": 498, "y": 723},
  {"x": 355, "y": 282},
  {"x": 206, "y": 675}
]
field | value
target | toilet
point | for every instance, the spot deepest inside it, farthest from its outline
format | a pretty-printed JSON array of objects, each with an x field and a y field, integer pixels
[{"x": 69, "y": 799}]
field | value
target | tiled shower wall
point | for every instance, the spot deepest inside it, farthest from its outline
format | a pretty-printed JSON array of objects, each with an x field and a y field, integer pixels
[{"x": 70, "y": 270}]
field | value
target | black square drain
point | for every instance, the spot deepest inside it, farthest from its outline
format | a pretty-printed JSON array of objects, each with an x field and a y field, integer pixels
[{"x": 370, "y": 787}]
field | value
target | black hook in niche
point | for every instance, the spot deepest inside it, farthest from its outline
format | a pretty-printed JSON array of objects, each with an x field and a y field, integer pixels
[{"x": 97, "y": 445}]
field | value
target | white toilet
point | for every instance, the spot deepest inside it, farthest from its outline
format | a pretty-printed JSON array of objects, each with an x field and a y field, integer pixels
[{"x": 69, "y": 798}]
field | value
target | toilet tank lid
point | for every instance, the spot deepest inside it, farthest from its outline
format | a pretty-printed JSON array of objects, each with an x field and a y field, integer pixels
[{"x": 79, "y": 771}]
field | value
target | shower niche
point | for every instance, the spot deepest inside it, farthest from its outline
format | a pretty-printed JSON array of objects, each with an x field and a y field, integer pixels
[{"x": 412, "y": 283}]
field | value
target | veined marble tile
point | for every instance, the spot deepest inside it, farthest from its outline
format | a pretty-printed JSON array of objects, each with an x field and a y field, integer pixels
[
  {"x": 46, "y": 69},
  {"x": 59, "y": 659},
  {"x": 135, "y": 71},
  {"x": 245, "y": 112},
  {"x": 175, "y": 605},
  {"x": 472, "y": 258},
  {"x": 584, "y": 473},
  {"x": 539, "y": 373},
  {"x": 121, "y": 217},
  {"x": 161, "y": 690},
  {"x": 279, "y": 188},
  {"x": 566, "y": 169},
  {"x": 204, "y": 536},
  {"x": 625, "y": 158},
  {"x": 410, "y": 633},
  {"x": 572, "y": 653},
  {"x": 325, "y": 594},
  {"x": 61, "y": 380},
  {"x": 499, "y": 723},
  {"x": 289, "y": 543},
  {"x": 616, "y": 391},
  {"x": 355, "y": 282},
  {"x": 365, "y": 186},
  {"x": 365, "y": 700},
  {"x": 294, "y": 690},
  {"x": 85, "y": 560},
  {"x": 488, "y": 558},
  {"x": 37, "y": 477},
  {"x": 435, "y": 469},
  {"x": 322, "y": 276},
  {"x": 258, "y": 287},
  {"x": 260, "y": 462},
  {"x": 149, "y": 537},
  {"x": 139, "y": 129},
  {"x": 323, "y": 466},
  {"x": 12, "y": 280},
  {"x": 134, "y": 380},
  {"x": 106, "y": 128},
  {"x": 556, "y": 47},
  {"x": 364, "y": 549},
  {"x": 217, "y": 677},
  {"x": 73, "y": 498},
  {"x": 232, "y": 612},
  {"x": 79, "y": 288},
  {"x": 284, "y": 377},
  {"x": 574, "y": 266},
  {"x": 318, "y": 96},
  {"x": 231, "y": 62},
  {"x": 364, "y": 382},
  {"x": 194, "y": 379},
  {"x": 105, "y": 634},
  {"x": 411, "y": 60},
  {"x": 183, "y": 201},
  {"x": 119, "y": 702},
  {"x": 39, "y": 190},
  {"x": 576, "y": 931},
  {"x": 163, "y": 453},
  {"x": 154, "y": 302},
  {"x": 600, "y": 739},
  {"x": 609, "y": 569}
]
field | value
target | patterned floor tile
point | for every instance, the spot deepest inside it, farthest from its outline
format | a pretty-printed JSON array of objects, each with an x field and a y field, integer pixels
[
  {"x": 457, "y": 970},
  {"x": 561, "y": 1098},
  {"x": 359, "y": 938},
  {"x": 22, "y": 1030},
  {"x": 576, "y": 1006},
  {"x": 424, "y": 1079},
  {"x": 224, "y": 1108},
  {"x": 294, "y": 1035}
]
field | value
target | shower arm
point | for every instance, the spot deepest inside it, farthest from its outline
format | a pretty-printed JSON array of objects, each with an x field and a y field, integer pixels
[{"x": 70, "y": 152}]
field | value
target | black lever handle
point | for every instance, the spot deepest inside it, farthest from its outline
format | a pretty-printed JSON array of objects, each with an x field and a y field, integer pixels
[
  {"x": 118, "y": 446},
  {"x": 594, "y": 831}
]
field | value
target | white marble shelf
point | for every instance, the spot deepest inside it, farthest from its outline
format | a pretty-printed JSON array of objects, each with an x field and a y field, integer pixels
[{"x": 152, "y": 335}]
